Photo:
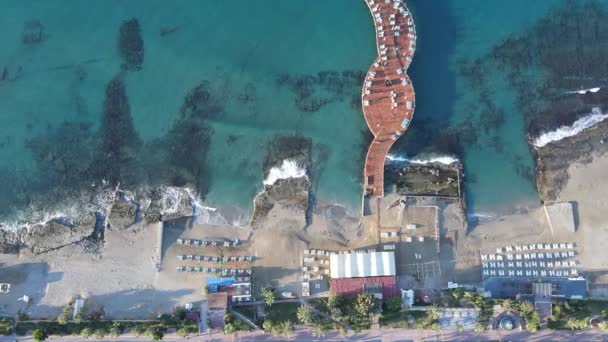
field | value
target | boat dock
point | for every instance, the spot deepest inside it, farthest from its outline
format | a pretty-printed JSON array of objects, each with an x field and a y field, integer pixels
[{"x": 387, "y": 97}]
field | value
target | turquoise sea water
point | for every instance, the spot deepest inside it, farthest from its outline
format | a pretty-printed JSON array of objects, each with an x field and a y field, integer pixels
[
  {"x": 451, "y": 34},
  {"x": 238, "y": 46},
  {"x": 247, "y": 50}
]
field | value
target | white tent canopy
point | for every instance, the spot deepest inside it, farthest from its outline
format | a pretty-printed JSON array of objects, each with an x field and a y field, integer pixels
[{"x": 353, "y": 265}]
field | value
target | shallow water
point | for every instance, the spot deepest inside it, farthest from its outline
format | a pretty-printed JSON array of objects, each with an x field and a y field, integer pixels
[
  {"x": 240, "y": 47},
  {"x": 484, "y": 125},
  {"x": 260, "y": 58}
]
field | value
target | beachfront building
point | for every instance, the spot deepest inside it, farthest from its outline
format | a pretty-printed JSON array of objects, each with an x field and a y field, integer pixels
[
  {"x": 238, "y": 288},
  {"x": 354, "y": 273}
]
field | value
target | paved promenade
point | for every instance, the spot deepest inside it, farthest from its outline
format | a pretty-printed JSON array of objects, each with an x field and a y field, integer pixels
[{"x": 388, "y": 95}]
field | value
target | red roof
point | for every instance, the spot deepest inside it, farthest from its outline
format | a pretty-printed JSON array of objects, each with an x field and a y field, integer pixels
[{"x": 354, "y": 286}]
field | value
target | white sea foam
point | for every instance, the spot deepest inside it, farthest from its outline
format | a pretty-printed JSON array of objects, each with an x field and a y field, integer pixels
[
  {"x": 583, "y": 91},
  {"x": 447, "y": 160},
  {"x": 288, "y": 169},
  {"x": 578, "y": 126}
]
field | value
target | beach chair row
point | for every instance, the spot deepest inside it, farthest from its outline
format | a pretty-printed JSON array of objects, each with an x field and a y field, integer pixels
[
  {"x": 526, "y": 256},
  {"x": 531, "y": 273},
  {"x": 204, "y": 258},
  {"x": 529, "y": 264},
  {"x": 214, "y": 270},
  {"x": 206, "y": 243},
  {"x": 535, "y": 246}
]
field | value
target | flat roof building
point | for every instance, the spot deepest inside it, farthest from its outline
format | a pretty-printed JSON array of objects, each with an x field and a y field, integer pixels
[
  {"x": 364, "y": 272},
  {"x": 357, "y": 265}
]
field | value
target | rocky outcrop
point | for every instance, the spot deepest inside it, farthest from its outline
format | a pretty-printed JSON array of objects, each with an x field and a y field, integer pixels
[
  {"x": 105, "y": 207},
  {"x": 553, "y": 159},
  {"x": 290, "y": 193}
]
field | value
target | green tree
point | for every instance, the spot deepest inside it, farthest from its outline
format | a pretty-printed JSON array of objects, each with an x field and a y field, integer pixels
[
  {"x": 81, "y": 315},
  {"x": 479, "y": 328},
  {"x": 436, "y": 327},
  {"x": 205, "y": 291},
  {"x": 318, "y": 331},
  {"x": 158, "y": 335},
  {"x": 229, "y": 328},
  {"x": 571, "y": 323},
  {"x": 364, "y": 305},
  {"x": 40, "y": 335},
  {"x": 603, "y": 326},
  {"x": 533, "y": 321},
  {"x": 459, "y": 327},
  {"x": 304, "y": 314},
  {"x": 525, "y": 308},
  {"x": 457, "y": 293},
  {"x": 63, "y": 319},
  {"x": 394, "y": 304},
  {"x": 269, "y": 296},
  {"x": 115, "y": 330},
  {"x": 99, "y": 334},
  {"x": 138, "y": 330},
  {"x": 268, "y": 325},
  {"x": 507, "y": 304},
  {"x": 286, "y": 328},
  {"x": 86, "y": 332}
]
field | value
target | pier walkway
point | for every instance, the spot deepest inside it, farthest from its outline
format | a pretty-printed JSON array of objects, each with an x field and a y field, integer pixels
[{"x": 387, "y": 96}]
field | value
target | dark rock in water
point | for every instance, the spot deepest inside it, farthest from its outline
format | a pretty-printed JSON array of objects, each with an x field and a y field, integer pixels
[
  {"x": 200, "y": 103},
  {"x": 335, "y": 86},
  {"x": 167, "y": 203},
  {"x": 33, "y": 33},
  {"x": 131, "y": 45},
  {"x": 296, "y": 148},
  {"x": 291, "y": 194},
  {"x": 116, "y": 160},
  {"x": 64, "y": 152}
]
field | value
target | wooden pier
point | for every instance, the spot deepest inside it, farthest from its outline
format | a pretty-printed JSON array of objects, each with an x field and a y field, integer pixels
[{"x": 387, "y": 96}]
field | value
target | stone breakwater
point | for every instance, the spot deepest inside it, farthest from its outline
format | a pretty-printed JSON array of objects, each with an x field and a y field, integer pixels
[{"x": 388, "y": 95}]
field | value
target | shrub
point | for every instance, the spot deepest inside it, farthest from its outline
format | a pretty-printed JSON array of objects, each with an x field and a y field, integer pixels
[
  {"x": 114, "y": 331},
  {"x": 99, "y": 334},
  {"x": 304, "y": 314},
  {"x": 63, "y": 319},
  {"x": 393, "y": 304},
  {"x": 86, "y": 332},
  {"x": 40, "y": 335}
]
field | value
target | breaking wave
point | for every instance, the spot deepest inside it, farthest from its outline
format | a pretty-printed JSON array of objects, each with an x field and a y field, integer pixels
[
  {"x": 578, "y": 126},
  {"x": 288, "y": 169},
  {"x": 447, "y": 160},
  {"x": 584, "y": 91}
]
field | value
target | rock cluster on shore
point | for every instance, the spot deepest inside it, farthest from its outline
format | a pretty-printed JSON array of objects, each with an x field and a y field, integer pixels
[{"x": 117, "y": 209}]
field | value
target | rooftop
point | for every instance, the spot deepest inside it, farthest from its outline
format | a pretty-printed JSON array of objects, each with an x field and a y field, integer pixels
[{"x": 356, "y": 265}]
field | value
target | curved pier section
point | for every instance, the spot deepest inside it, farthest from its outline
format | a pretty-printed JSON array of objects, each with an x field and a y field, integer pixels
[{"x": 388, "y": 96}]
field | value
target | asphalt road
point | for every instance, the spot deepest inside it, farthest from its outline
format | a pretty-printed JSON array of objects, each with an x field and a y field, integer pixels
[{"x": 402, "y": 335}]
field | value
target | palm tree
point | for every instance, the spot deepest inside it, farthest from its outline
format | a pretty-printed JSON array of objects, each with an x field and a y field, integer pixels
[
  {"x": 571, "y": 323},
  {"x": 286, "y": 328},
  {"x": 318, "y": 331},
  {"x": 268, "y": 296},
  {"x": 507, "y": 304},
  {"x": 304, "y": 314}
]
